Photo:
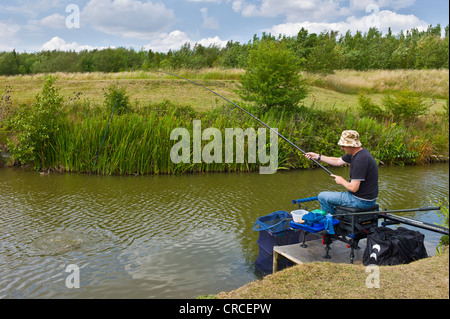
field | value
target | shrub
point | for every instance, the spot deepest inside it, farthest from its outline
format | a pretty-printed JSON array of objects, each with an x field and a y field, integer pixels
[
  {"x": 272, "y": 77},
  {"x": 369, "y": 109},
  {"x": 116, "y": 100},
  {"x": 36, "y": 124},
  {"x": 405, "y": 105}
]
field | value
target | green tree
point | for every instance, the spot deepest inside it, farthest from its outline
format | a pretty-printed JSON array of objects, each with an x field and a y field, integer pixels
[
  {"x": 8, "y": 63},
  {"x": 324, "y": 56},
  {"x": 36, "y": 125},
  {"x": 272, "y": 77},
  {"x": 234, "y": 55}
]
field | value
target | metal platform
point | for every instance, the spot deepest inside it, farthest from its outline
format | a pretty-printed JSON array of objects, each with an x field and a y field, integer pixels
[{"x": 315, "y": 252}]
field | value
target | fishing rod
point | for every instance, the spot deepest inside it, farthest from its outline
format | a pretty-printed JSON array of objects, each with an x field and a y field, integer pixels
[
  {"x": 245, "y": 111},
  {"x": 389, "y": 214},
  {"x": 413, "y": 222},
  {"x": 390, "y": 211}
]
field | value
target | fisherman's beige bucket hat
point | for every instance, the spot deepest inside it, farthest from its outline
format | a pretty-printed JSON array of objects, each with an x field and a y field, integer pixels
[{"x": 350, "y": 138}]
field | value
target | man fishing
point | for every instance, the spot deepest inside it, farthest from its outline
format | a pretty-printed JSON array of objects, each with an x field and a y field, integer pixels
[{"x": 362, "y": 189}]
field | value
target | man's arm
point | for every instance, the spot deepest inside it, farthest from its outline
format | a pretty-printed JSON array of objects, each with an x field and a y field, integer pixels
[
  {"x": 333, "y": 161},
  {"x": 352, "y": 186}
]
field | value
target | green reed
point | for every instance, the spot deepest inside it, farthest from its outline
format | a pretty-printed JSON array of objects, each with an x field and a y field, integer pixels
[{"x": 138, "y": 142}]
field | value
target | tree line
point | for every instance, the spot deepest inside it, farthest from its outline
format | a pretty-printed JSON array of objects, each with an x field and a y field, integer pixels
[{"x": 318, "y": 53}]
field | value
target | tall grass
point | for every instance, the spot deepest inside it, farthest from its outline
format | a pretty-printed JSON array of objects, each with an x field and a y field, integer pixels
[
  {"x": 140, "y": 144},
  {"x": 428, "y": 83}
]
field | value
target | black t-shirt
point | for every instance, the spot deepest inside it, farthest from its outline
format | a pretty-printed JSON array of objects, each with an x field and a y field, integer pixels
[{"x": 364, "y": 168}]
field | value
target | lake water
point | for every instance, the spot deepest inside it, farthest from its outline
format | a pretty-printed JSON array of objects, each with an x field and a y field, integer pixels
[{"x": 163, "y": 236}]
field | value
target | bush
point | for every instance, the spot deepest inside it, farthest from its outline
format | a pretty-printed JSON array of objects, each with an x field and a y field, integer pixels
[
  {"x": 369, "y": 109},
  {"x": 116, "y": 100},
  {"x": 272, "y": 77},
  {"x": 36, "y": 125},
  {"x": 405, "y": 105}
]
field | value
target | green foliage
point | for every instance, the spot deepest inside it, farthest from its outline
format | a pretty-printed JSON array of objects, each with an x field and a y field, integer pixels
[
  {"x": 393, "y": 148},
  {"x": 116, "y": 99},
  {"x": 37, "y": 124},
  {"x": 369, "y": 109},
  {"x": 405, "y": 105},
  {"x": 324, "y": 55},
  {"x": 9, "y": 64},
  {"x": 443, "y": 216},
  {"x": 272, "y": 77}
]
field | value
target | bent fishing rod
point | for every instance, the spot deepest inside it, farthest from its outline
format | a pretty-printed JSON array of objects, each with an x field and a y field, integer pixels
[{"x": 246, "y": 112}]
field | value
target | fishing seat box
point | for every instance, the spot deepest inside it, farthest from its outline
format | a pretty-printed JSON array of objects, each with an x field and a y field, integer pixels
[{"x": 354, "y": 224}]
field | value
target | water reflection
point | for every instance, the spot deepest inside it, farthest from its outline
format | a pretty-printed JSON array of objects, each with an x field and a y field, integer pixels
[{"x": 163, "y": 236}]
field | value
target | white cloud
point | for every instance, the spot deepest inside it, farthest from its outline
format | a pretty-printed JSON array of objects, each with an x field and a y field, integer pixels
[
  {"x": 164, "y": 42},
  {"x": 216, "y": 41},
  {"x": 208, "y": 22},
  {"x": 127, "y": 18},
  {"x": 210, "y": 1},
  {"x": 293, "y": 10},
  {"x": 56, "y": 43},
  {"x": 8, "y": 32},
  {"x": 382, "y": 21},
  {"x": 54, "y": 21},
  {"x": 314, "y": 10},
  {"x": 361, "y": 5}
]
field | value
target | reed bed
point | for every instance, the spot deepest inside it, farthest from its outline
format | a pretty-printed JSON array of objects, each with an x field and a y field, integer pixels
[
  {"x": 136, "y": 144},
  {"x": 139, "y": 143}
]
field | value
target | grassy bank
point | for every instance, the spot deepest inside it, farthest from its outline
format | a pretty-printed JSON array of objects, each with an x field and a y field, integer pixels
[
  {"x": 137, "y": 141},
  {"x": 423, "y": 279}
]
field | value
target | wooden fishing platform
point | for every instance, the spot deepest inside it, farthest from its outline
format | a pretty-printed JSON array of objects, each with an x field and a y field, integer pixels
[{"x": 315, "y": 252}]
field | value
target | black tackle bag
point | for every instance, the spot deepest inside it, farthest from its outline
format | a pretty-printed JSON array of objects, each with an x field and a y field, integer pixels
[{"x": 386, "y": 246}]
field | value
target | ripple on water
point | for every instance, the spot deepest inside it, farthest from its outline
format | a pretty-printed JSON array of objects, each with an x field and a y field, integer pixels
[{"x": 66, "y": 241}]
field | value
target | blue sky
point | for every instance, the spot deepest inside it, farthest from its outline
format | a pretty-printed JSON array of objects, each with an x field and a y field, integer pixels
[{"x": 160, "y": 25}]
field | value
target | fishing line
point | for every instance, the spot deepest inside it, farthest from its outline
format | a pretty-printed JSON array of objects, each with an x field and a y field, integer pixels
[{"x": 248, "y": 113}]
